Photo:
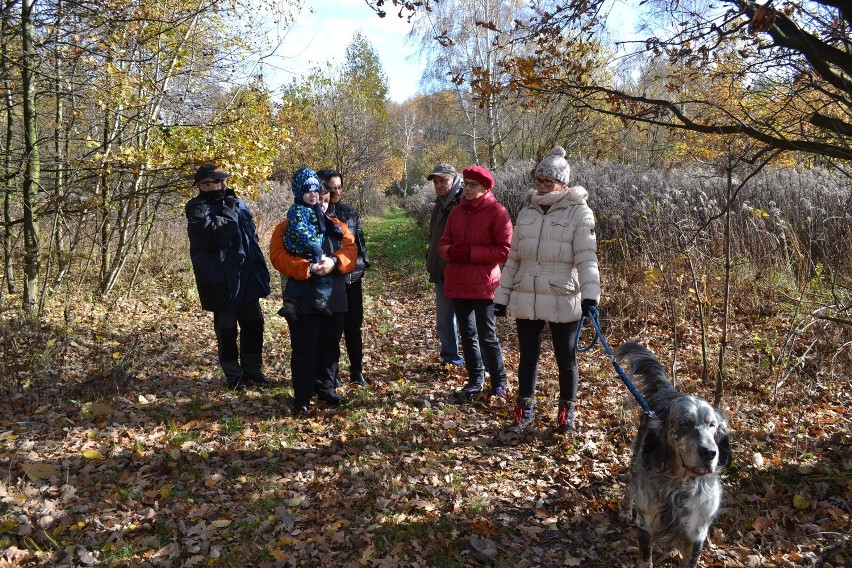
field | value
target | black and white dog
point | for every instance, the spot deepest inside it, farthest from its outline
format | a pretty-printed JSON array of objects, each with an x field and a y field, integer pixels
[{"x": 676, "y": 460}]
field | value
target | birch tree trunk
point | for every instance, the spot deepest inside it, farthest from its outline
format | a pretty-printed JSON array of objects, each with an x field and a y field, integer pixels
[{"x": 7, "y": 162}]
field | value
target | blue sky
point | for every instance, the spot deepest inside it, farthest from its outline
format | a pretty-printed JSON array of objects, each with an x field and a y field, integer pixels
[{"x": 324, "y": 28}]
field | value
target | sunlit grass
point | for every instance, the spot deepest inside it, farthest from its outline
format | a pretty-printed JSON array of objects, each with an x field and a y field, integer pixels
[
  {"x": 231, "y": 424},
  {"x": 115, "y": 553},
  {"x": 397, "y": 241},
  {"x": 279, "y": 434}
]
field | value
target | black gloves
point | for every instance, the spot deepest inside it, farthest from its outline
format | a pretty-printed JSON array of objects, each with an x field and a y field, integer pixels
[
  {"x": 499, "y": 310},
  {"x": 587, "y": 306}
]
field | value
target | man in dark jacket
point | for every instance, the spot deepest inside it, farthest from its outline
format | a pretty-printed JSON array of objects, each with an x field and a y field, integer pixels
[
  {"x": 230, "y": 273},
  {"x": 448, "y": 192},
  {"x": 353, "y": 321}
]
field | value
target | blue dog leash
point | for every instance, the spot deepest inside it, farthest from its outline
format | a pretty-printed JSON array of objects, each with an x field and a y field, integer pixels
[{"x": 593, "y": 317}]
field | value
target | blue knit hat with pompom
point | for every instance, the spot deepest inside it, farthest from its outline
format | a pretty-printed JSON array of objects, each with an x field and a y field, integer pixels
[{"x": 304, "y": 180}]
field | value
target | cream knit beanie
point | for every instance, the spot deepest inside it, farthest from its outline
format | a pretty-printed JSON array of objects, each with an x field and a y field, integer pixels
[{"x": 555, "y": 166}]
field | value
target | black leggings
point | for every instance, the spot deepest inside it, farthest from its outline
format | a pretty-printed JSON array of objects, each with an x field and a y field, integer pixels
[{"x": 564, "y": 335}]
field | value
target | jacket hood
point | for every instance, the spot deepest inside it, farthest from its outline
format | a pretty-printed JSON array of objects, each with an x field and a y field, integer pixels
[{"x": 454, "y": 195}]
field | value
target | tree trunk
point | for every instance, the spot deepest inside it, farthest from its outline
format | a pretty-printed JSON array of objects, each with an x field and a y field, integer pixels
[
  {"x": 127, "y": 225},
  {"x": 32, "y": 166},
  {"x": 726, "y": 306},
  {"x": 7, "y": 164},
  {"x": 106, "y": 202},
  {"x": 60, "y": 148}
]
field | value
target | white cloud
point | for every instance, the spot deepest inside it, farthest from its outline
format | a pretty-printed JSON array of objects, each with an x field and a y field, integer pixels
[{"x": 324, "y": 29}]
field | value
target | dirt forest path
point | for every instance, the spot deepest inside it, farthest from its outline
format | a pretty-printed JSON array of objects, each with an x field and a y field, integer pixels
[{"x": 128, "y": 452}]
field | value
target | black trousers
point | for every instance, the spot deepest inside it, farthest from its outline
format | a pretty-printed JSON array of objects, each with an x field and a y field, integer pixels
[
  {"x": 353, "y": 321},
  {"x": 564, "y": 335},
  {"x": 245, "y": 324},
  {"x": 482, "y": 326},
  {"x": 315, "y": 345}
]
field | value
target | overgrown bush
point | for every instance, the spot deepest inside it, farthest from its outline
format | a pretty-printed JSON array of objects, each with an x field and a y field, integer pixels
[
  {"x": 781, "y": 220},
  {"x": 419, "y": 203},
  {"x": 512, "y": 183},
  {"x": 799, "y": 218}
]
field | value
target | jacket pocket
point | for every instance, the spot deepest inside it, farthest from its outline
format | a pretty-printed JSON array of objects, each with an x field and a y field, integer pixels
[
  {"x": 526, "y": 221},
  {"x": 525, "y": 284},
  {"x": 562, "y": 288}
]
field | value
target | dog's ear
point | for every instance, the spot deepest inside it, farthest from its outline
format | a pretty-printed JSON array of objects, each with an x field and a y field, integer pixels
[
  {"x": 723, "y": 441},
  {"x": 655, "y": 445}
]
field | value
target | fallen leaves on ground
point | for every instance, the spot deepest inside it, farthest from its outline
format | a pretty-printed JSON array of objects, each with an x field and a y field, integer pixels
[{"x": 126, "y": 450}]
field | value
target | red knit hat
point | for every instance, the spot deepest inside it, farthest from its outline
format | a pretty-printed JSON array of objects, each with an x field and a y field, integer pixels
[{"x": 480, "y": 175}]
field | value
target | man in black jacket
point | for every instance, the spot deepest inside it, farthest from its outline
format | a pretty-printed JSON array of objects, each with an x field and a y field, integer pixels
[
  {"x": 353, "y": 321},
  {"x": 448, "y": 192},
  {"x": 231, "y": 274}
]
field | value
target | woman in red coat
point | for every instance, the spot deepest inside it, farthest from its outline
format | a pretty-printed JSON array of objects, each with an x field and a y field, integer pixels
[{"x": 475, "y": 243}]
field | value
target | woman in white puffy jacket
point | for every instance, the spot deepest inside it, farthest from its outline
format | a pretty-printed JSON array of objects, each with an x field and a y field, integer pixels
[{"x": 551, "y": 277}]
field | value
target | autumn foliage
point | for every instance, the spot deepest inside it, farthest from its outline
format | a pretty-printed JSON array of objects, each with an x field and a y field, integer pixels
[
  {"x": 121, "y": 448},
  {"x": 717, "y": 161}
]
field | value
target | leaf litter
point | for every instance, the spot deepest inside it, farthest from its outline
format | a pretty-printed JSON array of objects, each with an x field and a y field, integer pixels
[{"x": 160, "y": 466}]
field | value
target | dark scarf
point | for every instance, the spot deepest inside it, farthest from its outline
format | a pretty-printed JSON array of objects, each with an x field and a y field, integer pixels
[
  {"x": 323, "y": 221},
  {"x": 217, "y": 195}
]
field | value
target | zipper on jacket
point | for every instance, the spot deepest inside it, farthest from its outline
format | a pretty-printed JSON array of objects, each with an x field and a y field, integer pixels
[{"x": 537, "y": 248}]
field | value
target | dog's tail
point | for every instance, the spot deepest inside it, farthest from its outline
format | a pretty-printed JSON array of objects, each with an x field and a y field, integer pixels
[{"x": 647, "y": 372}]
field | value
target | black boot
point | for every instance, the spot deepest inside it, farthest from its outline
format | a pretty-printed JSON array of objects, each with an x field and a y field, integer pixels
[
  {"x": 524, "y": 415},
  {"x": 471, "y": 392},
  {"x": 236, "y": 383},
  {"x": 260, "y": 380},
  {"x": 565, "y": 417},
  {"x": 330, "y": 397},
  {"x": 288, "y": 312}
]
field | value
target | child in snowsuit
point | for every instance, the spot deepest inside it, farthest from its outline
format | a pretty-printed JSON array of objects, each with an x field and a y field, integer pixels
[{"x": 306, "y": 227}]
